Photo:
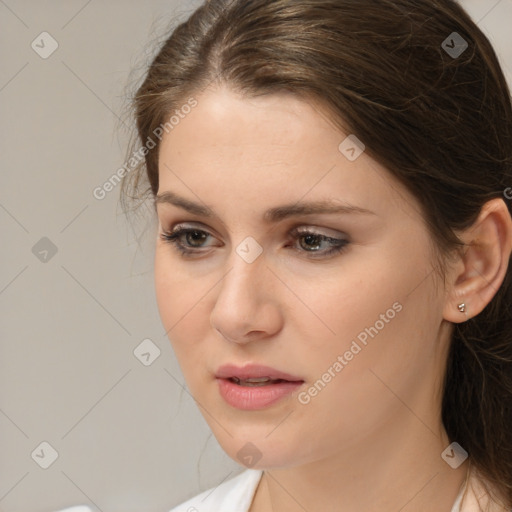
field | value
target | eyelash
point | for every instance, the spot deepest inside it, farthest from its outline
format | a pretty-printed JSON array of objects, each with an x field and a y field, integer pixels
[{"x": 173, "y": 238}]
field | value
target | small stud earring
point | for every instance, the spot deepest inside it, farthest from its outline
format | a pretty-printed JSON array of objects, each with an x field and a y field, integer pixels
[{"x": 462, "y": 307}]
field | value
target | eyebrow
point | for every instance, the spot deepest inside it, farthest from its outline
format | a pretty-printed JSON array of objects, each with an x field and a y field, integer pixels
[{"x": 275, "y": 214}]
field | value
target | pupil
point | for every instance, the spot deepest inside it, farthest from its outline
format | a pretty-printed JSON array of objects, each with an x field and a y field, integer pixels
[
  {"x": 310, "y": 239},
  {"x": 195, "y": 236}
]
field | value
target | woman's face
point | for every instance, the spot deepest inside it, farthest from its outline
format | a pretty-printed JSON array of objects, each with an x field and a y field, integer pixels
[{"x": 351, "y": 308}]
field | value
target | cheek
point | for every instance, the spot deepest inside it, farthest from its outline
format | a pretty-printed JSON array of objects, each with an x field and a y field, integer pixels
[
  {"x": 176, "y": 290},
  {"x": 349, "y": 297},
  {"x": 367, "y": 313},
  {"x": 374, "y": 383},
  {"x": 165, "y": 289},
  {"x": 179, "y": 303},
  {"x": 384, "y": 316}
]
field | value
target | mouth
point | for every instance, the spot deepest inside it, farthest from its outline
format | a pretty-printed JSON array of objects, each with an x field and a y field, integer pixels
[{"x": 255, "y": 387}]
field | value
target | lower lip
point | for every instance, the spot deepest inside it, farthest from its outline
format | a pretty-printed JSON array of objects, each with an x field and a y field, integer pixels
[{"x": 250, "y": 398}]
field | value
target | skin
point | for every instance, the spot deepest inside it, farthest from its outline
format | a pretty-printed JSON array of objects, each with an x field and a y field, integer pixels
[{"x": 372, "y": 438}]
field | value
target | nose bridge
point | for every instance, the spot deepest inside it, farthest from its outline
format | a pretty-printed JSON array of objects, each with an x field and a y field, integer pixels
[
  {"x": 246, "y": 272},
  {"x": 243, "y": 301}
]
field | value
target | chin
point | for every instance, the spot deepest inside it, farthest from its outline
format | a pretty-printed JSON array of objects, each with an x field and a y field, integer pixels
[{"x": 258, "y": 451}]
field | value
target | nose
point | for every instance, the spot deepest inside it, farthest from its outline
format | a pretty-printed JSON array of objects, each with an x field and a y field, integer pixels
[{"x": 247, "y": 307}]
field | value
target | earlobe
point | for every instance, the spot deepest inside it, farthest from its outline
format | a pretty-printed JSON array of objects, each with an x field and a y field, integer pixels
[{"x": 483, "y": 264}]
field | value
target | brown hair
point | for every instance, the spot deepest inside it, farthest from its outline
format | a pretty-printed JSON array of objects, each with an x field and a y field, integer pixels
[{"x": 439, "y": 122}]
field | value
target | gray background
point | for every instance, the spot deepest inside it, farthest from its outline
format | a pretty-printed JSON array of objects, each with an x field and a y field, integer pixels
[{"x": 128, "y": 436}]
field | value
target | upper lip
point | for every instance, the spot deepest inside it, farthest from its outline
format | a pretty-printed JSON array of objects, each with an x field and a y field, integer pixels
[{"x": 250, "y": 371}]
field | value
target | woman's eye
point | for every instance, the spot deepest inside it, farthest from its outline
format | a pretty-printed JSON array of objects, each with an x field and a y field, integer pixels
[
  {"x": 312, "y": 242},
  {"x": 189, "y": 241},
  {"x": 186, "y": 240}
]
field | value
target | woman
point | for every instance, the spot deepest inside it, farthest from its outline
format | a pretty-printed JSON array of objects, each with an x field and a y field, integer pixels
[{"x": 332, "y": 184}]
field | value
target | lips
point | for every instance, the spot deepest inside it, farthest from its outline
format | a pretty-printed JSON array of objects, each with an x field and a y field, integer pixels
[{"x": 254, "y": 387}]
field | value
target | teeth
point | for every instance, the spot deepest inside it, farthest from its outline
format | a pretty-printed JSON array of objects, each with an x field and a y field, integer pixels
[{"x": 254, "y": 381}]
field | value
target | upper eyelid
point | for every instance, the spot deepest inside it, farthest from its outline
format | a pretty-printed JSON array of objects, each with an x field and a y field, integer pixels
[{"x": 316, "y": 230}]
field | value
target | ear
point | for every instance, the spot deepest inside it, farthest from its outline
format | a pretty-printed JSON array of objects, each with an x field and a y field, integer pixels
[{"x": 480, "y": 270}]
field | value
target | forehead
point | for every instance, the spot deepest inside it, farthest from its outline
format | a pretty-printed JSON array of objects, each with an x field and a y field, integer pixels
[
  {"x": 224, "y": 119},
  {"x": 271, "y": 147}
]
